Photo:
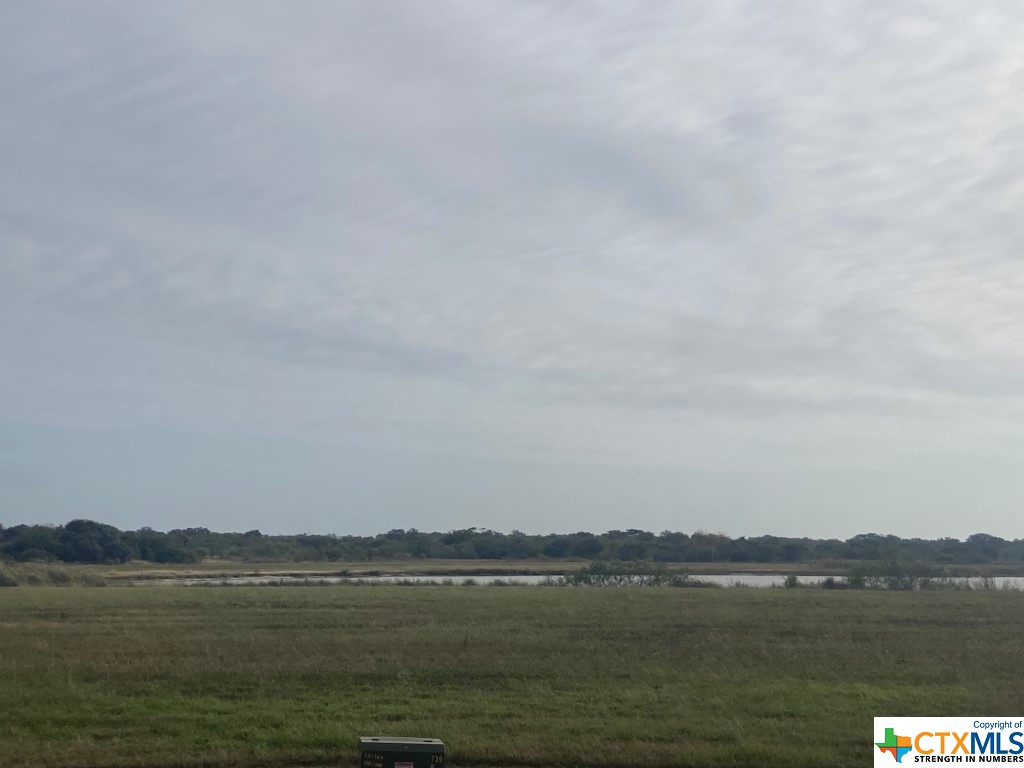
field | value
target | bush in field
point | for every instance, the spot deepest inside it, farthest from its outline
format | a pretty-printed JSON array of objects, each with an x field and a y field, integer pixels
[
  {"x": 629, "y": 574},
  {"x": 58, "y": 577},
  {"x": 898, "y": 576}
]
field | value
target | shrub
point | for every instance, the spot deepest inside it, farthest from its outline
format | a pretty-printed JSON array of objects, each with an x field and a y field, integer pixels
[
  {"x": 58, "y": 577},
  {"x": 630, "y": 574}
]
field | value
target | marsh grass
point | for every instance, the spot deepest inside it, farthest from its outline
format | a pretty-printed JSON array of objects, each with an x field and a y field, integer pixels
[
  {"x": 48, "y": 574},
  {"x": 909, "y": 577},
  {"x": 517, "y": 676}
]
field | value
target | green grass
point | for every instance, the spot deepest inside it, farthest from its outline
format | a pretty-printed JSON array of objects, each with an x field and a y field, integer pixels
[{"x": 520, "y": 676}]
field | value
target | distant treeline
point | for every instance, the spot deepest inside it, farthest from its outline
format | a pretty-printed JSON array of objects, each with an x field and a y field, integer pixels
[{"x": 86, "y": 541}]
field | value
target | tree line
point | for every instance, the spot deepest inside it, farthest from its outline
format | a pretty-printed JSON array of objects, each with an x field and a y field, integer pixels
[{"x": 87, "y": 541}]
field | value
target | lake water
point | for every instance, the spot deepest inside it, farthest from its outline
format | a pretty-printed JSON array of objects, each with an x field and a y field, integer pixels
[
  {"x": 300, "y": 580},
  {"x": 757, "y": 580}
]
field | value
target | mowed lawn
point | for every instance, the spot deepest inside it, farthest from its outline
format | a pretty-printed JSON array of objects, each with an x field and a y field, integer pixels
[{"x": 507, "y": 676}]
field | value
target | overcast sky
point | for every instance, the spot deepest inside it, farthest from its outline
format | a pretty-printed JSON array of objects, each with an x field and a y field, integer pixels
[{"x": 747, "y": 267}]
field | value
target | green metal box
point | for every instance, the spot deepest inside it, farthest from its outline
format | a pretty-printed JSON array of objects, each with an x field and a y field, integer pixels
[{"x": 401, "y": 752}]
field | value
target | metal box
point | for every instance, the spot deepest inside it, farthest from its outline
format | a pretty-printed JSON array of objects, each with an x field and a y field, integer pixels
[{"x": 401, "y": 752}]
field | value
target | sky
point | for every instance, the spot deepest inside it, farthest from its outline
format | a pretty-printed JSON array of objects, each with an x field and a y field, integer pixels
[{"x": 742, "y": 267}]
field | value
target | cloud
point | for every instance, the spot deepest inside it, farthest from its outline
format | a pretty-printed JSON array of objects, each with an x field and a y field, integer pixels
[{"x": 564, "y": 232}]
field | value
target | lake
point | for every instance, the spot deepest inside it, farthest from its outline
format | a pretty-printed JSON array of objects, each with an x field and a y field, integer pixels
[{"x": 757, "y": 580}]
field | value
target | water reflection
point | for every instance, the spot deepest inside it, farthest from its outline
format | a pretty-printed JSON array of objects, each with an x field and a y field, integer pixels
[{"x": 755, "y": 580}]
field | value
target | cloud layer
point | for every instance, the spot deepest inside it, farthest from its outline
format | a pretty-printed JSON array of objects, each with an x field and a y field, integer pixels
[{"x": 746, "y": 262}]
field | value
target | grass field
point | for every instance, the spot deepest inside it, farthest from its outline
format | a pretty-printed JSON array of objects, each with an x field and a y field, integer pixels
[{"x": 510, "y": 676}]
